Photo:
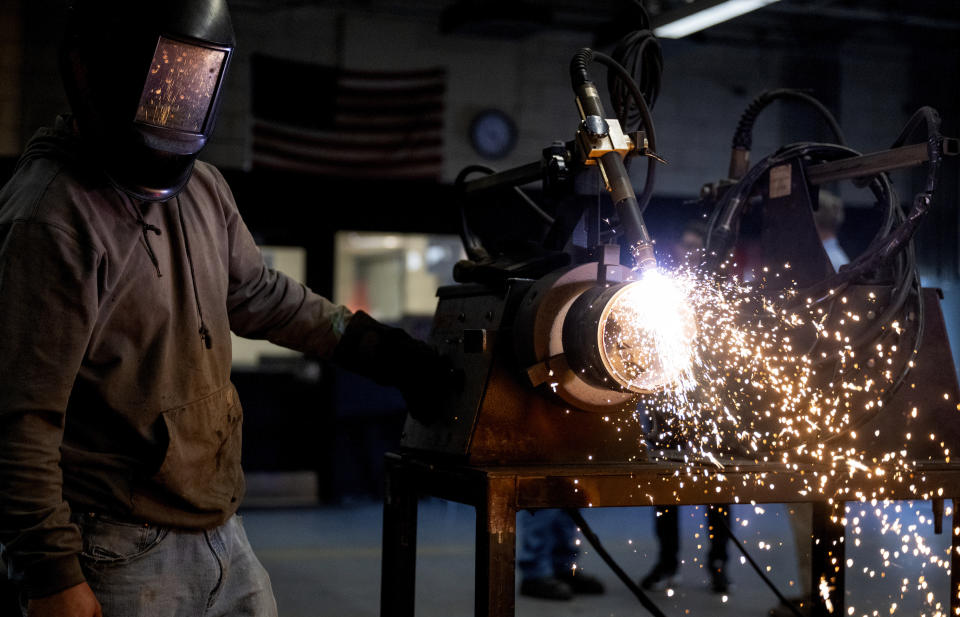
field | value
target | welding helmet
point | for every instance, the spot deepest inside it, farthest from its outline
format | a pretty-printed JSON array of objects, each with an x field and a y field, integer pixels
[{"x": 144, "y": 81}]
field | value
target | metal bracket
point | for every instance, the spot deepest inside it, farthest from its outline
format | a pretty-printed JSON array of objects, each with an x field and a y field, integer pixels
[
  {"x": 867, "y": 165},
  {"x": 593, "y": 145},
  {"x": 642, "y": 147}
]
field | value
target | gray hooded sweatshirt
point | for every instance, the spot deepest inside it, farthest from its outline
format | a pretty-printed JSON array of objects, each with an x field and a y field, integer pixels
[{"x": 115, "y": 320}]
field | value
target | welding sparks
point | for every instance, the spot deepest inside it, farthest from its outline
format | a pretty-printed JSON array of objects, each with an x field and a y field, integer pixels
[
  {"x": 741, "y": 372},
  {"x": 745, "y": 370},
  {"x": 648, "y": 333}
]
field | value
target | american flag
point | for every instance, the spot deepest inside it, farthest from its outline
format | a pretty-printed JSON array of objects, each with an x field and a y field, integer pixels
[{"x": 348, "y": 123}]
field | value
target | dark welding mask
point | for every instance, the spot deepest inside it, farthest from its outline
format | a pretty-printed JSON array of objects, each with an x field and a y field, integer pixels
[{"x": 144, "y": 82}]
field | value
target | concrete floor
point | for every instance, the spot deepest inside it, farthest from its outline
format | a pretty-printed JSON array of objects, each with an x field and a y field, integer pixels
[{"x": 325, "y": 562}]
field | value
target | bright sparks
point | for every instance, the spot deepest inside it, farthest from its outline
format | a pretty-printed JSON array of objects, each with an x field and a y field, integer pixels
[
  {"x": 648, "y": 333},
  {"x": 733, "y": 372}
]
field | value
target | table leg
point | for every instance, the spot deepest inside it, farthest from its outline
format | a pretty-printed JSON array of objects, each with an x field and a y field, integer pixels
[
  {"x": 399, "y": 567},
  {"x": 955, "y": 560},
  {"x": 828, "y": 561},
  {"x": 495, "y": 586}
]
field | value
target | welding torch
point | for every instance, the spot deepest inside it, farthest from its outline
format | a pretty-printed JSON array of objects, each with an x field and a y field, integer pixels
[{"x": 601, "y": 142}]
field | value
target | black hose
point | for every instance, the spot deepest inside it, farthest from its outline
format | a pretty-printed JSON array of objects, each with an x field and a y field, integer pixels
[
  {"x": 623, "y": 576},
  {"x": 886, "y": 243},
  {"x": 578, "y": 67},
  {"x": 883, "y": 249},
  {"x": 472, "y": 244},
  {"x": 931, "y": 119},
  {"x": 759, "y": 571},
  {"x": 646, "y": 122},
  {"x": 890, "y": 253},
  {"x": 579, "y": 76},
  {"x": 640, "y": 54},
  {"x": 743, "y": 137}
]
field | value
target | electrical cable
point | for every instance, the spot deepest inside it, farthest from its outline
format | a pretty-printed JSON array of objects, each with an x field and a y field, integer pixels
[
  {"x": 540, "y": 212},
  {"x": 743, "y": 137},
  {"x": 579, "y": 76},
  {"x": 472, "y": 244},
  {"x": 879, "y": 253},
  {"x": 759, "y": 571},
  {"x": 889, "y": 256},
  {"x": 646, "y": 123},
  {"x": 640, "y": 54},
  {"x": 886, "y": 243},
  {"x": 594, "y": 541},
  {"x": 645, "y": 600}
]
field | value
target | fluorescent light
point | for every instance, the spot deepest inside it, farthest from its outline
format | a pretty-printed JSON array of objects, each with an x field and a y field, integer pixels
[{"x": 686, "y": 22}]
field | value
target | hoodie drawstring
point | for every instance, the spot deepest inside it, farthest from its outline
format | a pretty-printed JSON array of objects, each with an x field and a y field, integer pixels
[
  {"x": 144, "y": 228},
  {"x": 204, "y": 331}
]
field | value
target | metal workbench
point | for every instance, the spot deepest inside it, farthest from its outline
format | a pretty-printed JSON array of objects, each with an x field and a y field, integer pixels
[{"x": 498, "y": 492}]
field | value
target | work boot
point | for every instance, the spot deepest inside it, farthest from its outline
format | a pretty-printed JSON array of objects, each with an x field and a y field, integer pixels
[
  {"x": 660, "y": 577},
  {"x": 719, "y": 583},
  {"x": 578, "y": 582},
  {"x": 546, "y": 588}
]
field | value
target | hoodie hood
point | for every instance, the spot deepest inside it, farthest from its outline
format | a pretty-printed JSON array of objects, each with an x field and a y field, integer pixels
[{"x": 63, "y": 144}]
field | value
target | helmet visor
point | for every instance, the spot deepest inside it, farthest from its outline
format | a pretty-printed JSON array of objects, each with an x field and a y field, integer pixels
[{"x": 181, "y": 86}]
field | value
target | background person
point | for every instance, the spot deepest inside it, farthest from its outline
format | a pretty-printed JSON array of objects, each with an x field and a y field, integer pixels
[
  {"x": 547, "y": 555},
  {"x": 665, "y": 573},
  {"x": 828, "y": 217}
]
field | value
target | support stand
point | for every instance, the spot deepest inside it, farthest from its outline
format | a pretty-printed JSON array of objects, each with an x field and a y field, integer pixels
[{"x": 499, "y": 492}]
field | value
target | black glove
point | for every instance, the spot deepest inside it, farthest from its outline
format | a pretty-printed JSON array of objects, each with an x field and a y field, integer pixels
[{"x": 391, "y": 357}]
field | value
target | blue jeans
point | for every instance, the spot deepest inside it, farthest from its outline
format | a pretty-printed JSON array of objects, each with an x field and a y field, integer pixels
[
  {"x": 547, "y": 543},
  {"x": 138, "y": 570}
]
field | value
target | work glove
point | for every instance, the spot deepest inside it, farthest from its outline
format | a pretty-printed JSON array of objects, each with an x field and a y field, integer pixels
[{"x": 391, "y": 357}]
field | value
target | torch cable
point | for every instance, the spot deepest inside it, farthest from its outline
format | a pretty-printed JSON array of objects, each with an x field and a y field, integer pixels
[
  {"x": 579, "y": 76},
  {"x": 594, "y": 541},
  {"x": 472, "y": 244},
  {"x": 889, "y": 258},
  {"x": 756, "y": 567},
  {"x": 743, "y": 138}
]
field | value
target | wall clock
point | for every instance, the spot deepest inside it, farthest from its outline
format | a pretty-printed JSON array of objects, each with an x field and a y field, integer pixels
[{"x": 493, "y": 133}]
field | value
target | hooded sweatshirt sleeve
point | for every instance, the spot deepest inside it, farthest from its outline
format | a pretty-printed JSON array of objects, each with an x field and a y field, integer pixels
[
  {"x": 48, "y": 303},
  {"x": 266, "y": 304}
]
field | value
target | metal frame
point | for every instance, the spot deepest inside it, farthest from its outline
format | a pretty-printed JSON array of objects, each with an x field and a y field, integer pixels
[{"x": 498, "y": 493}]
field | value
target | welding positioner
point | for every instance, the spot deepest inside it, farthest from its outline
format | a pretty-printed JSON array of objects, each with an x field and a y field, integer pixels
[
  {"x": 541, "y": 386},
  {"x": 546, "y": 415}
]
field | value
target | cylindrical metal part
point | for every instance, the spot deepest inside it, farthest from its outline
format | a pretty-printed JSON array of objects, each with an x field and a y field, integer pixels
[
  {"x": 646, "y": 259},
  {"x": 632, "y": 337},
  {"x": 538, "y": 338},
  {"x": 618, "y": 179},
  {"x": 588, "y": 101},
  {"x": 582, "y": 336},
  {"x": 625, "y": 200}
]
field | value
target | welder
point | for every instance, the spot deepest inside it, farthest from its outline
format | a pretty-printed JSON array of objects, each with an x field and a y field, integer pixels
[{"x": 124, "y": 265}]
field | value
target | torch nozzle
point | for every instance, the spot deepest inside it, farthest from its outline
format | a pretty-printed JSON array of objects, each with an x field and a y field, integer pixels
[{"x": 646, "y": 260}]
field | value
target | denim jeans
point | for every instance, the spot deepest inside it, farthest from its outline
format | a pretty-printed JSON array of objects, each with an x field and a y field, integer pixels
[
  {"x": 138, "y": 570},
  {"x": 547, "y": 543}
]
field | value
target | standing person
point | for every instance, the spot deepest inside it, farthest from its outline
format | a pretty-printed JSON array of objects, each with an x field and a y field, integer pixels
[
  {"x": 548, "y": 555},
  {"x": 124, "y": 265},
  {"x": 665, "y": 572},
  {"x": 828, "y": 217}
]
